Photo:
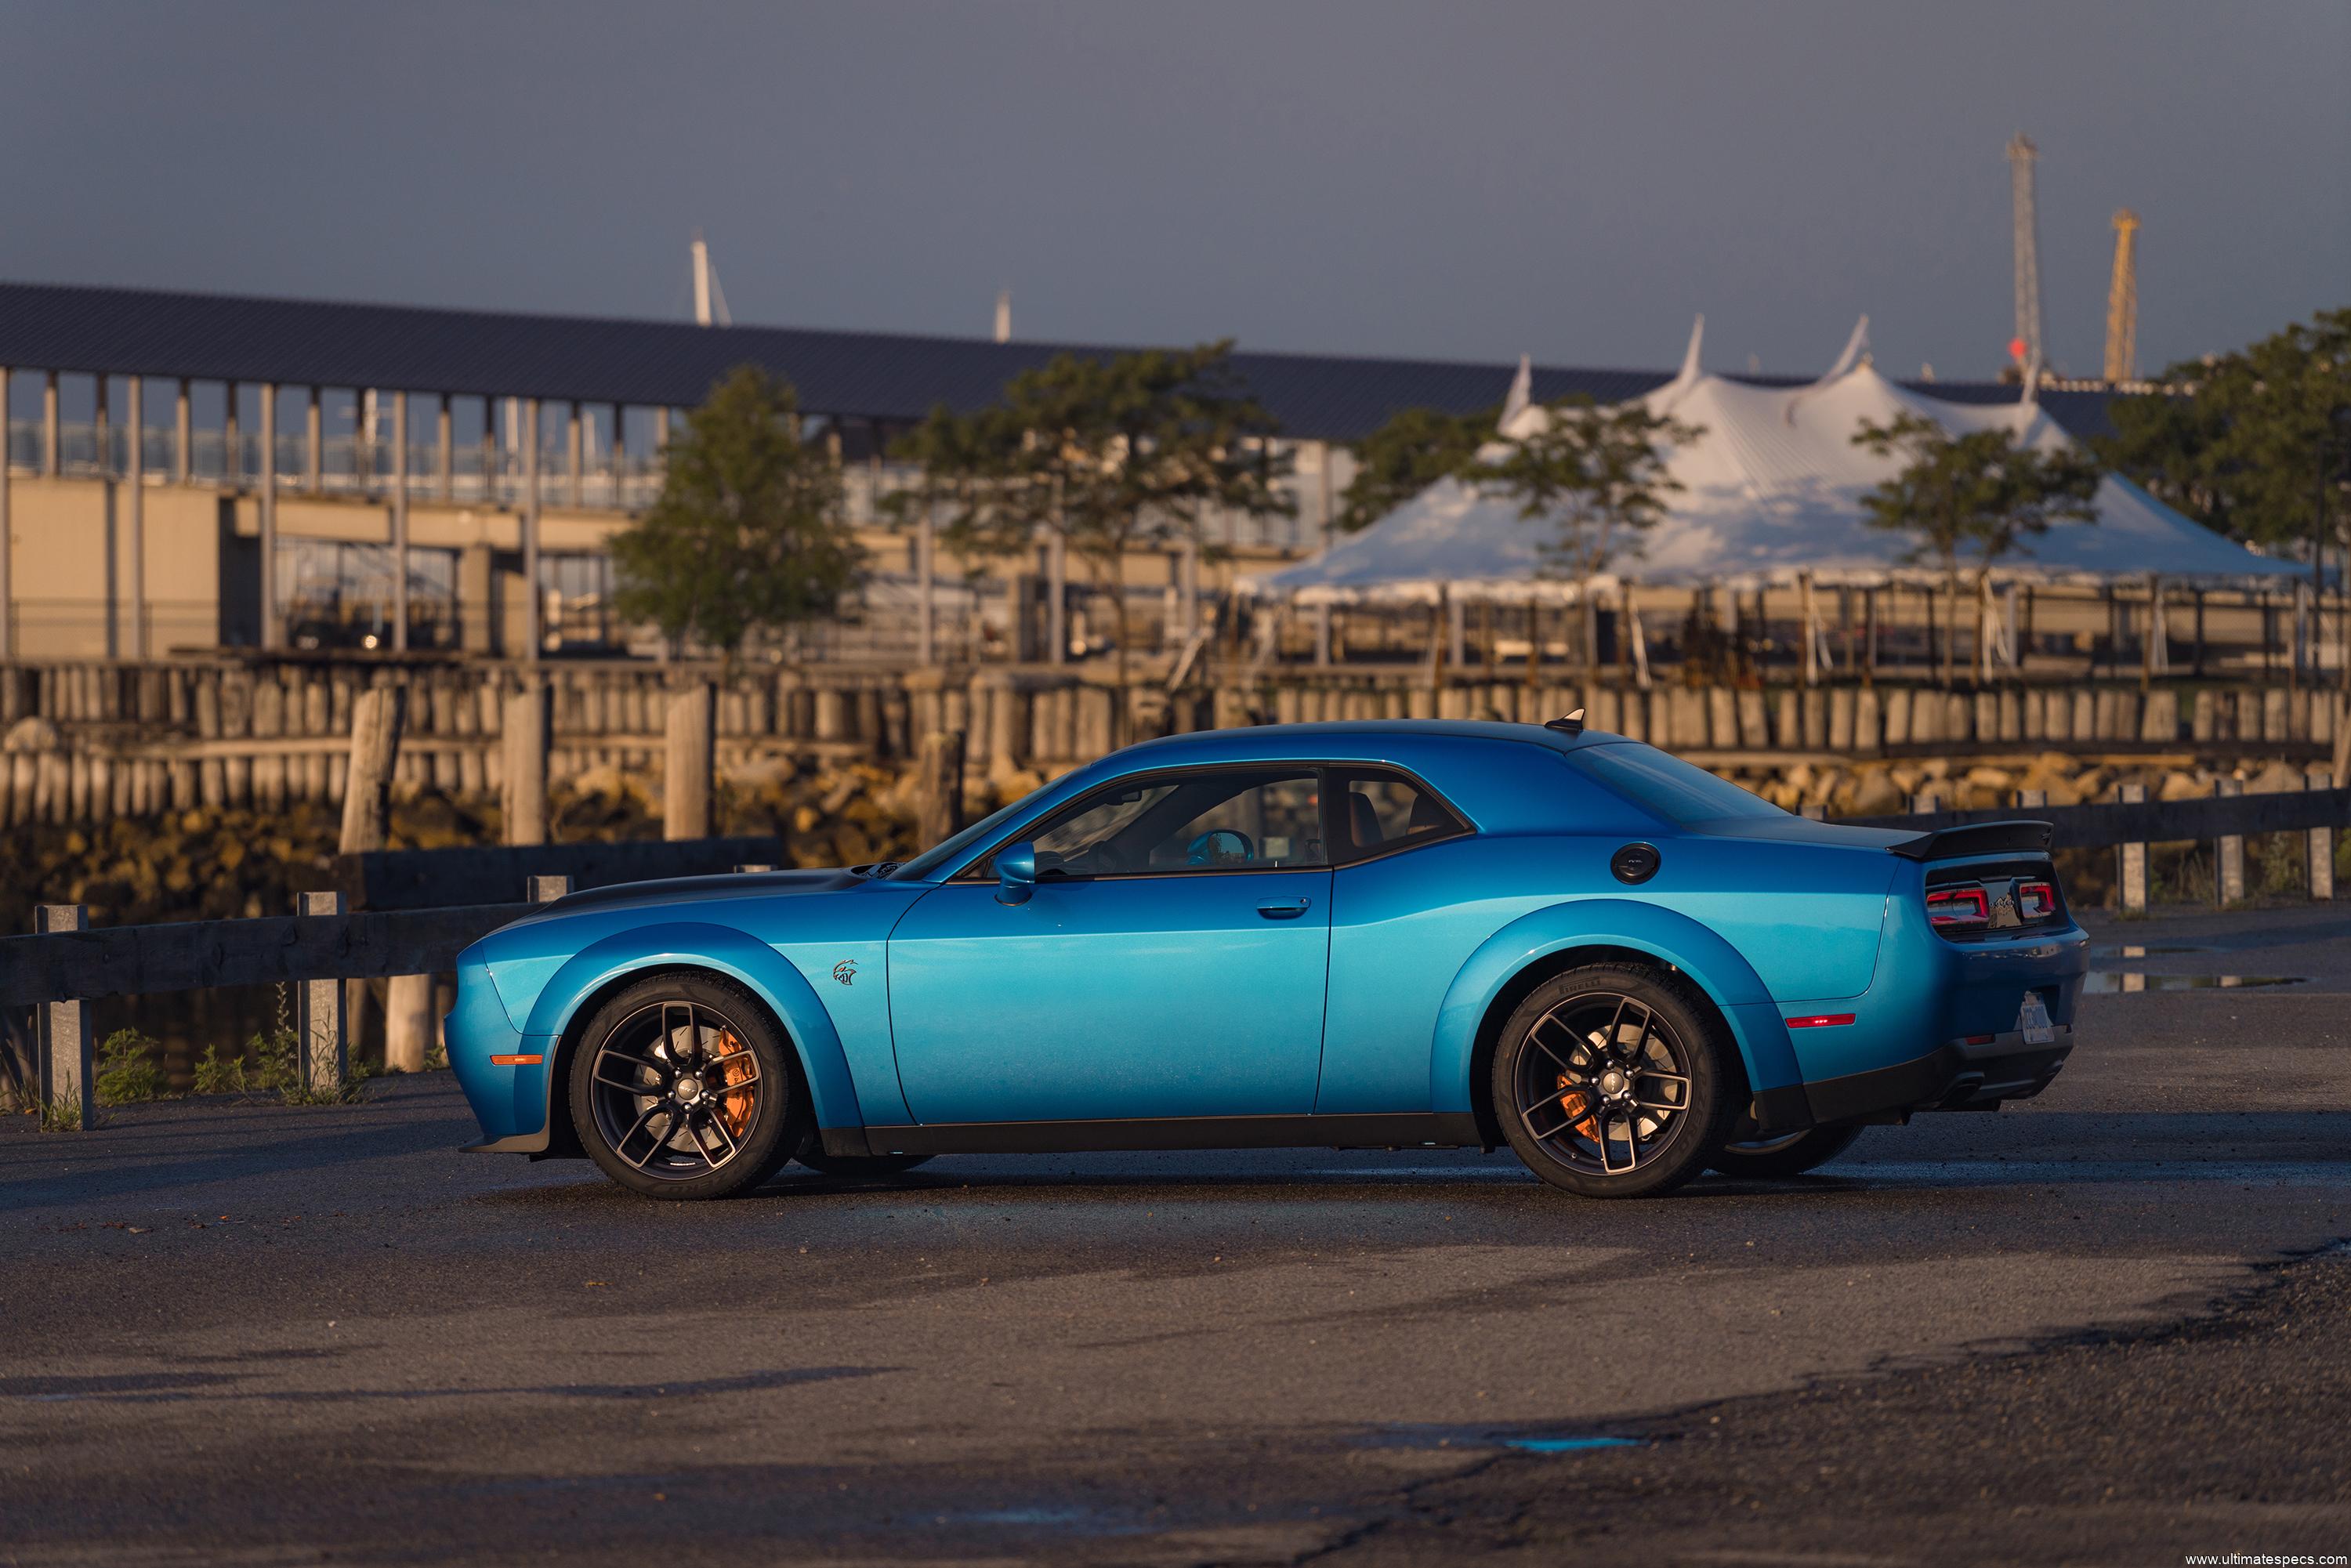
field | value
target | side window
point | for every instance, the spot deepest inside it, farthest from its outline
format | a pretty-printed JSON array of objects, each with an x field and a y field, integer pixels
[
  {"x": 1243, "y": 824},
  {"x": 1084, "y": 843},
  {"x": 1377, "y": 813},
  {"x": 1249, "y": 819}
]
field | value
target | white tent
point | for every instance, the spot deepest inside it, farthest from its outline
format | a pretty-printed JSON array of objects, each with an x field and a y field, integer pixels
[{"x": 1771, "y": 489}]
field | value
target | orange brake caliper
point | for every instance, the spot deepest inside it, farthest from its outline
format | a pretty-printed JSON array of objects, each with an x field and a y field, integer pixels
[
  {"x": 1577, "y": 1103},
  {"x": 734, "y": 1104}
]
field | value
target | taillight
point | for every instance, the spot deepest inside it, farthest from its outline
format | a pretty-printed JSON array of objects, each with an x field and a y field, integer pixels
[
  {"x": 2035, "y": 901},
  {"x": 1958, "y": 909}
]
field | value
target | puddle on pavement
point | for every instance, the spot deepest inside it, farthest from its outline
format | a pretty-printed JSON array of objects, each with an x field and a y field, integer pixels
[
  {"x": 2120, "y": 982},
  {"x": 1473, "y": 1438},
  {"x": 1086, "y": 1520}
]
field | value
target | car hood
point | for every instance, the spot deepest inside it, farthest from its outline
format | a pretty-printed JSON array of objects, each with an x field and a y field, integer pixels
[{"x": 698, "y": 890}]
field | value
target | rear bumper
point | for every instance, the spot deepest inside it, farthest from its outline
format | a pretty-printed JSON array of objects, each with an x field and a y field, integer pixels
[{"x": 1956, "y": 1076}]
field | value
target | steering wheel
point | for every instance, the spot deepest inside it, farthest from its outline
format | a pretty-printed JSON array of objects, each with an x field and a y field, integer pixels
[{"x": 1220, "y": 846}]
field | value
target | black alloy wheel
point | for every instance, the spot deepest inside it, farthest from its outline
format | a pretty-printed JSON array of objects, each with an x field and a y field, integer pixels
[
  {"x": 683, "y": 1087},
  {"x": 1614, "y": 1081}
]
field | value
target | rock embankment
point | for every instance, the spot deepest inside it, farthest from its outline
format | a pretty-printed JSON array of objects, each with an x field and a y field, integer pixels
[{"x": 1878, "y": 789}]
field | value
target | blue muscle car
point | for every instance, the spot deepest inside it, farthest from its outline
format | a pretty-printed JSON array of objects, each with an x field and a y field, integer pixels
[{"x": 1378, "y": 934}]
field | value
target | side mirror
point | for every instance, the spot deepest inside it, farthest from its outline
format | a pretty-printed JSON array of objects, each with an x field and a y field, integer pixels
[{"x": 1016, "y": 873}]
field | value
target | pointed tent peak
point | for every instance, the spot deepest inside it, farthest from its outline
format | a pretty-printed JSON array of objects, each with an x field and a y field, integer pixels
[
  {"x": 1686, "y": 379},
  {"x": 1856, "y": 348},
  {"x": 1521, "y": 395},
  {"x": 1856, "y": 357}
]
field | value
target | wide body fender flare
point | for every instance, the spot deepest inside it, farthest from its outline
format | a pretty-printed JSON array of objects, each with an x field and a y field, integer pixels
[
  {"x": 691, "y": 945},
  {"x": 1712, "y": 963}
]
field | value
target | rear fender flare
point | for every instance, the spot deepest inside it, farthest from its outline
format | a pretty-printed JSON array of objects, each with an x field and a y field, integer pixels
[
  {"x": 1713, "y": 965},
  {"x": 721, "y": 950}
]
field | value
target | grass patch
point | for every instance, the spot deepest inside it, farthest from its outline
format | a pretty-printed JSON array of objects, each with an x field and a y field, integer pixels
[{"x": 128, "y": 1073}]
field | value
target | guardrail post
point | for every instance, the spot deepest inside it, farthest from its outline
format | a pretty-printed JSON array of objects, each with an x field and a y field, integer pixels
[
  {"x": 64, "y": 1069},
  {"x": 2032, "y": 799},
  {"x": 2322, "y": 844},
  {"x": 2229, "y": 854},
  {"x": 752, "y": 870},
  {"x": 1813, "y": 813},
  {"x": 546, "y": 889},
  {"x": 319, "y": 1034},
  {"x": 2130, "y": 860}
]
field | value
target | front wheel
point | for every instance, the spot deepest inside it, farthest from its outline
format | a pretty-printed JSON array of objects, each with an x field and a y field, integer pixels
[
  {"x": 681, "y": 1088},
  {"x": 1614, "y": 1081},
  {"x": 1790, "y": 1153}
]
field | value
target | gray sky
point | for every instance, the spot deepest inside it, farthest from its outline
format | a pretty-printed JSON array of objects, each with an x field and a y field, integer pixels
[{"x": 1443, "y": 179}]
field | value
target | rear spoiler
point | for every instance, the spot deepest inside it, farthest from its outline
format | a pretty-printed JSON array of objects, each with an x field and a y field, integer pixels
[{"x": 1975, "y": 838}]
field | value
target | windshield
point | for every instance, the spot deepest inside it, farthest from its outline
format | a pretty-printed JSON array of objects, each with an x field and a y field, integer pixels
[
  {"x": 942, "y": 858},
  {"x": 1680, "y": 793}
]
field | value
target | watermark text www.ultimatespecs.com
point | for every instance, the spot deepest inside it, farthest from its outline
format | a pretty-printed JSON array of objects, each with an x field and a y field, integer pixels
[{"x": 2267, "y": 1560}]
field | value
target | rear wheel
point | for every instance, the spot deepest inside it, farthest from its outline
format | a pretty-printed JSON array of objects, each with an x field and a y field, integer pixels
[
  {"x": 1790, "y": 1153},
  {"x": 1614, "y": 1081},
  {"x": 681, "y": 1088}
]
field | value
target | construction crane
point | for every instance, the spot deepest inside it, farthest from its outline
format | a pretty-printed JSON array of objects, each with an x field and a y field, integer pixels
[
  {"x": 2022, "y": 156},
  {"x": 2122, "y": 300}
]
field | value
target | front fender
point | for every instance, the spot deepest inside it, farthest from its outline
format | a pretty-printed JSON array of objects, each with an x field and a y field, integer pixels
[
  {"x": 696, "y": 944},
  {"x": 1712, "y": 963}
]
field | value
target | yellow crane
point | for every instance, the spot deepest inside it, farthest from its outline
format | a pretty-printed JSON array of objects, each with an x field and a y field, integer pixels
[{"x": 2122, "y": 300}]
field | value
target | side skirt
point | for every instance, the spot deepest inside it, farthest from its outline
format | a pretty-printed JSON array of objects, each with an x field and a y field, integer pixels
[{"x": 1446, "y": 1131}]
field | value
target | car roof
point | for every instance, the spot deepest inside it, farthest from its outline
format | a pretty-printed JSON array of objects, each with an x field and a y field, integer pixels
[{"x": 1253, "y": 742}]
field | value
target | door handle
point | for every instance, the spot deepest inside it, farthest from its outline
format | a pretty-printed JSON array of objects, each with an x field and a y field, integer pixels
[{"x": 1283, "y": 908}]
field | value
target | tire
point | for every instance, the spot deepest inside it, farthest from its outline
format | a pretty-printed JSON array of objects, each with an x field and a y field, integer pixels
[
  {"x": 1791, "y": 1154},
  {"x": 661, "y": 1097},
  {"x": 856, "y": 1167},
  {"x": 1641, "y": 1051}
]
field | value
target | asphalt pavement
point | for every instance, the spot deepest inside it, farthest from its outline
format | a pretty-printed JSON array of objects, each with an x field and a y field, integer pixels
[{"x": 2112, "y": 1325}]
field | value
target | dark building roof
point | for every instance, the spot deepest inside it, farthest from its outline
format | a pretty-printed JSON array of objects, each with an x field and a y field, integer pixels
[{"x": 892, "y": 377}]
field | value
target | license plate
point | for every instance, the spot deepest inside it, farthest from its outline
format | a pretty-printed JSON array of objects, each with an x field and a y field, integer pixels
[{"x": 2032, "y": 1020}]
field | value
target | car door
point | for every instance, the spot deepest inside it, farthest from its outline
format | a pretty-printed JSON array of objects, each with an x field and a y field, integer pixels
[{"x": 1170, "y": 963}]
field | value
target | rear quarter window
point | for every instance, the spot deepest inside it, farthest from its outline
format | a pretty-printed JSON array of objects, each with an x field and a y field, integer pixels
[{"x": 1667, "y": 787}]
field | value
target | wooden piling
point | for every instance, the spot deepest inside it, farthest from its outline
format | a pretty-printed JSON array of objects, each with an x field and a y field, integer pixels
[
  {"x": 377, "y": 716},
  {"x": 939, "y": 787},
  {"x": 526, "y": 737},
  {"x": 687, "y": 763}
]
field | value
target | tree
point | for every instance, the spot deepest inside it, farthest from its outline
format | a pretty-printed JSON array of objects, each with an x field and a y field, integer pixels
[
  {"x": 748, "y": 534},
  {"x": 1597, "y": 477},
  {"x": 1414, "y": 449},
  {"x": 2232, "y": 441},
  {"x": 1971, "y": 499},
  {"x": 1113, "y": 455}
]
